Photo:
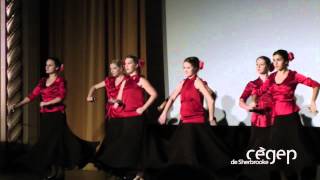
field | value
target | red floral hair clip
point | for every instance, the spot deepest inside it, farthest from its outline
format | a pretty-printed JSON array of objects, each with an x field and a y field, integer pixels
[
  {"x": 61, "y": 69},
  {"x": 141, "y": 63},
  {"x": 201, "y": 64},
  {"x": 290, "y": 56}
]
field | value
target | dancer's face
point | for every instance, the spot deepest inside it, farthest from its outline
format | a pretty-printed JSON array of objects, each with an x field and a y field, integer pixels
[
  {"x": 279, "y": 63},
  {"x": 261, "y": 66},
  {"x": 51, "y": 67},
  {"x": 130, "y": 66},
  {"x": 188, "y": 69},
  {"x": 115, "y": 70}
]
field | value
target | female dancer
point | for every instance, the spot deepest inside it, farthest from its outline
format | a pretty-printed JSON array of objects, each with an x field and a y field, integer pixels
[
  {"x": 122, "y": 146},
  {"x": 57, "y": 146},
  {"x": 193, "y": 144},
  {"x": 112, "y": 85},
  {"x": 287, "y": 132},
  {"x": 261, "y": 118}
]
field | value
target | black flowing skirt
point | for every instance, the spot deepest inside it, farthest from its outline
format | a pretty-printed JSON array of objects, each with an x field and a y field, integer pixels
[
  {"x": 122, "y": 147},
  {"x": 289, "y": 134},
  {"x": 195, "y": 145},
  {"x": 259, "y": 137},
  {"x": 56, "y": 145},
  {"x": 187, "y": 145}
]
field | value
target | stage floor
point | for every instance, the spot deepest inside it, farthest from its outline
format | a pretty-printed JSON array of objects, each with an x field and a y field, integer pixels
[
  {"x": 100, "y": 175},
  {"x": 70, "y": 175}
]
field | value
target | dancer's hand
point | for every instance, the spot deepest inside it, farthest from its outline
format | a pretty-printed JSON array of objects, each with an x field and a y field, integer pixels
[
  {"x": 213, "y": 122},
  {"x": 118, "y": 101},
  {"x": 115, "y": 105},
  {"x": 42, "y": 104},
  {"x": 112, "y": 101},
  {"x": 12, "y": 108},
  {"x": 91, "y": 99},
  {"x": 140, "y": 110},
  {"x": 162, "y": 119},
  {"x": 313, "y": 107},
  {"x": 252, "y": 105}
]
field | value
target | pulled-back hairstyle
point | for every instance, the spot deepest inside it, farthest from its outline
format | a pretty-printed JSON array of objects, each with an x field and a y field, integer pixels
[
  {"x": 268, "y": 62},
  {"x": 194, "y": 61}
]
